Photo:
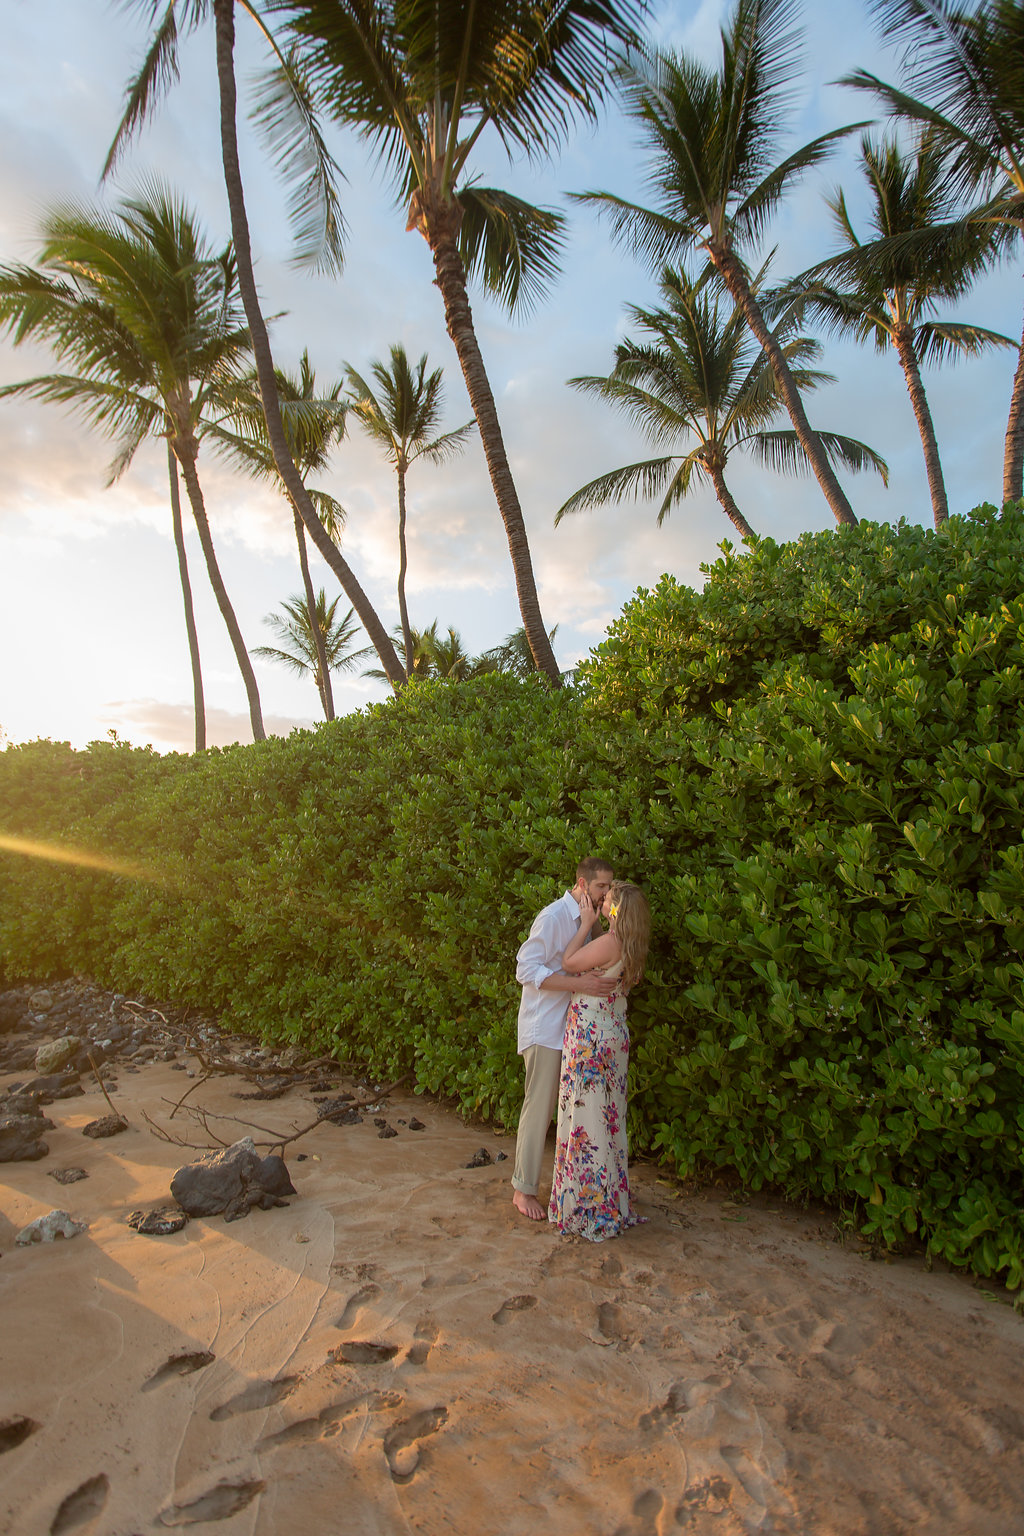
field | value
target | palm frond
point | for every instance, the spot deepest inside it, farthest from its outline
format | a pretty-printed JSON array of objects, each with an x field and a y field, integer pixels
[
  {"x": 939, "y": 340},
  {"x": 782, "y": 451},
  {"x": 633, "y": 480},
  {"x": 287, "y": 117},
  {"x": 158, "y": 72},
  {"x": 510, "y": 245}
]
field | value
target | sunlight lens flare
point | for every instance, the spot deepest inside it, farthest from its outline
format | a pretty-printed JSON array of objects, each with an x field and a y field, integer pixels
[{"x": 60, "y": 853}]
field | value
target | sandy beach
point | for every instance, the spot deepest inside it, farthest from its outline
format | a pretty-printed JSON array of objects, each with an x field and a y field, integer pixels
[{"x": 397, "y": 1350}]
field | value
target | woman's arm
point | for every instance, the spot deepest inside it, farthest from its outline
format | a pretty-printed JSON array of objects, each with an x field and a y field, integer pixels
[
  {"x": 580, "y": 956},
  {"x": 601, "y": 951}
]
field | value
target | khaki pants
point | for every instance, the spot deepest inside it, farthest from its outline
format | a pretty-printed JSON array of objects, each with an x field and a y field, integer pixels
[{"x": 543, "y": 1068}]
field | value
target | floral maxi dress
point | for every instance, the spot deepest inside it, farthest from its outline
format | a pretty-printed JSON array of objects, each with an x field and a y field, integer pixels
[{"x": 590, "y": 1192}]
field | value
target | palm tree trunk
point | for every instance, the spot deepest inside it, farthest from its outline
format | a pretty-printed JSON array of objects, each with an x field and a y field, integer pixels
[
  {"x": 403, "y": 565},
  {"x": 323, "y": 681},
  {"x": 186, "y": 593},
  {"x": 903, "y": 340},
  {"x": 1013, "y": 454},
  {"x": 439, "y": 227},
  {"x": 185, "y": 452},
  {"x": 224, "y": 14},
  {"x": 735, "y": 280},
  {"x": 727, "y": 503}
]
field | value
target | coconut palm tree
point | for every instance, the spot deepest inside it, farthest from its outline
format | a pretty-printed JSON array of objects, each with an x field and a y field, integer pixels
[
  {"x": 422, "y": 82},
  {"x": 403, "y": 417},
  {"x": 513, "y": 655},
  {"x": 148, "y": 319},
  {"x": 892, "y": 289},
  {"x": 713, "y": 136},
  {"x": 438, "y": 656},
  {"x": 305, "y": 650},
  {"x": 964, "y": 82},
  {"x": 287, "y": 114},
  {"x": 697, "y": 376},
  {"x": 314, "y": 424}
]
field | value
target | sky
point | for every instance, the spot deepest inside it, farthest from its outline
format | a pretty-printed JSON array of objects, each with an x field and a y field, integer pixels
[{"x": 92, "y": 635}]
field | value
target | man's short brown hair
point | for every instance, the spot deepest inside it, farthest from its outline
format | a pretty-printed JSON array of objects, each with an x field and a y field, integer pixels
[{"x": 588, "y": 869}]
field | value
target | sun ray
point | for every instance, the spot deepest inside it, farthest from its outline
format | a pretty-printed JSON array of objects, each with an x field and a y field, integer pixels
[{"x": 84, "y": 858}]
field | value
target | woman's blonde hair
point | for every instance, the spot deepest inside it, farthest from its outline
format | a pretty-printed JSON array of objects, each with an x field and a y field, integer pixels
[{"x": 631, "y": 915}]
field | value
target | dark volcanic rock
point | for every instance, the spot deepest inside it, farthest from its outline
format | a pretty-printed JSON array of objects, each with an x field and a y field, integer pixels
[
  {"x": 110, "y": 1125},
  {"x": 231, "y": 1182},
  {"x": 160, "y": 1222},
  {"x": 21, "y": 1138},
  {"x": 480, "y": 1159},
  {"x": 68, "y": 1175},
  {"x": 384, "y": 1131},
  {"x": 337, "y": 1111},
  {"x": 274, "y": 1176}
]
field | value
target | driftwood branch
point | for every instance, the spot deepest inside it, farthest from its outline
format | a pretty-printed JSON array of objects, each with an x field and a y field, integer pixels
[
  {"x": 203, "y": 1117},
  {"x": 103, "y": 1089}
]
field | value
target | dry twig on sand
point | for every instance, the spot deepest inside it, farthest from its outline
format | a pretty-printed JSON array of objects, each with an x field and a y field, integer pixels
[{"x": 202, "y": 1116}]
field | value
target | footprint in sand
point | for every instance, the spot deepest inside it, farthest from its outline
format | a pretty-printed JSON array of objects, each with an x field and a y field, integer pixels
[
  {"x": 14, "y": 1432},
  {"x": 330, "y": 1420},
  {"x": 81, "y": 1507},
  {"x": 425, "y": 1337},
  {"x": 220, "y": 1503},
  {"x": 260, "y": 1394},
  {"x": 672, "y": 1408},
  {"x": 611, "y": 1320},
  {"x": 401, "y": 1448},
  {"x": 354, "y": 1305},
  {"x": 363, "y": 1352},
  {"x": 512, "y": 1305},
  {"x": 179, "y": 1365},
  {"x": 647, "y": 1509}
]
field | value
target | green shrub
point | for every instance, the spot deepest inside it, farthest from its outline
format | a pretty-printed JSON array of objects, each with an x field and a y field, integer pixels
[{"x": 815, "y": 768}]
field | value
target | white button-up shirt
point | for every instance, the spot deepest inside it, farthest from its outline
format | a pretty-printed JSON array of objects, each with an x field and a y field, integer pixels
[{"x": 542, "y": 1014}]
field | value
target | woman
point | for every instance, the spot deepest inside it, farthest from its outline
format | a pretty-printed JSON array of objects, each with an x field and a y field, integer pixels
[{"x": 590, "y": 1192}]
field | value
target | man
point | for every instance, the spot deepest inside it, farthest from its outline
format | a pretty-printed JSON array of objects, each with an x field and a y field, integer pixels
[{"x": 542, "y": 1011}]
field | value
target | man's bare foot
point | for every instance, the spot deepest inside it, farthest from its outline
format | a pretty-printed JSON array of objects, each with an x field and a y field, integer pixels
[{"x": 528, "y": 1205}]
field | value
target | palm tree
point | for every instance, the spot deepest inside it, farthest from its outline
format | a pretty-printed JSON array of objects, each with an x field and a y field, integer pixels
[
  {"x": 513, "y": 655},
  {"x": 403, "y": 417},
  {"x": 893, "y": 287},
  {"x": 438, "y": 656},
  {"x": 306, "y": 647},
  {"x": 422, "y": 82},
  {"x": 313, "y": 423},
  {"x": 698, "y": 377},
  {"x": 149, "y": 319},
  {"x": 713, "y": 136},
  {"x": 287, "y": 115},
  {"x": 964, "y": 71}
]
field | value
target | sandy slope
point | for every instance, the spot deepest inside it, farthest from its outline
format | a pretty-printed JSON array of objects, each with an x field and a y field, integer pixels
[{"x": 723, "y": 1369}]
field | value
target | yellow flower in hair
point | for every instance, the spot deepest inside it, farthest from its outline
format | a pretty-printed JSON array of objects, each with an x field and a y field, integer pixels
[{"x": 613, "y": 910}]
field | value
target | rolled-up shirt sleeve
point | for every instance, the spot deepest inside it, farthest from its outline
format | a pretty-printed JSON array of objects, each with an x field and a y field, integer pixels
[{"x": 531, "y": 962}]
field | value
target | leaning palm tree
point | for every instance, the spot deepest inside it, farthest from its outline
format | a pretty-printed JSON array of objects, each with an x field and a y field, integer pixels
[
  {"x": 423, "y": 82},
  {"x": 892, "y": 289},
  {"x": 316, "y": 648},
  {"x": 964, "y": 82},
  {"x": 697, "y": 377},
  {"x": 713, "y": 138},
  {"x": 403, "y": 417},
  {"x": 314, "y": 423},
  {"x": 148, "y": 319},
  {"x": 287, "y": 114}
]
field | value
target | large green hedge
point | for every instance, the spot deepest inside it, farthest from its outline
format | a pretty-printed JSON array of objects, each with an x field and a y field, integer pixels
[{"x": 815, "y": 768}]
